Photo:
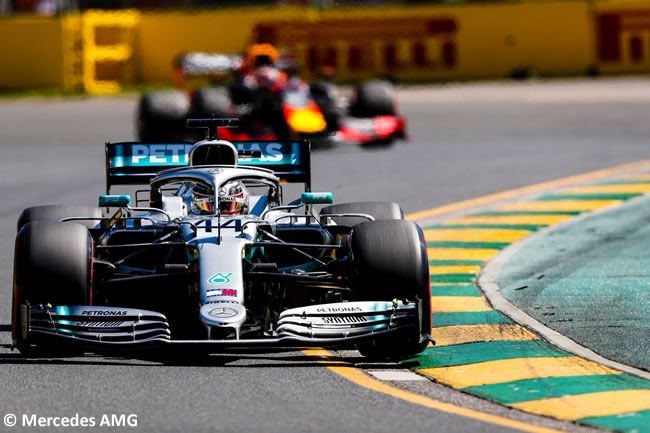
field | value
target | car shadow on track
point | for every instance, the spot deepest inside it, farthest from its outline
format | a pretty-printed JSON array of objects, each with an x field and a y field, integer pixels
[
  {"x": 231, "y": 361},
  {"x": 252, "y": 358}
]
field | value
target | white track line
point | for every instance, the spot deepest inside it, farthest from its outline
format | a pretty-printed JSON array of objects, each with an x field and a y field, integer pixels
[{"x": 397, "y": 375}]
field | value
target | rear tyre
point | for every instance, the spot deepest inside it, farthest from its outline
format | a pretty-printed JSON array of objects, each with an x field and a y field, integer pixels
[
  {"x": 380, "y": 210},
  {"x": 52, "y": 265},
  {"x": 374, "y": 98},
  {"x": 56, "y": 212},
  {"x": 325, "y": 95},
  {"x": 211, "y": 102},
  {"x": 390, "y": 261},
  {"x": 161, "y": 116}
]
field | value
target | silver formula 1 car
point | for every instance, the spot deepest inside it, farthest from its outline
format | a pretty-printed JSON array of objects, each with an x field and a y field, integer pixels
[{"x": 215, "y": 261}]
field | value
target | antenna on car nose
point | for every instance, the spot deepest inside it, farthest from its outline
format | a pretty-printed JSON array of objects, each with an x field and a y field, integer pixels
[{"x": 212, "y": 125}]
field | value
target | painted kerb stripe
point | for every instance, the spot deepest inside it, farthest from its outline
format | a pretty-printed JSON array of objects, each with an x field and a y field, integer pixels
[
  {"x": 624, "y": 421},
  {"x": 482, "y": 352}
]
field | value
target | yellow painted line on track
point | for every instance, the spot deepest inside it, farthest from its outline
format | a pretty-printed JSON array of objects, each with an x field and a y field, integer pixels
[
  {"x": 509, "y": 370},
  {"x": 608, "y": 189},
  {"x": 454, "y": 304},
  {"x": 641, "y": 177},
  {"x": 510, "y": 219},
  {"x": 588, "y": 405},
  {"x": 558, "y": 205},
  {"x": 511, "y": 193},
  {"x": 461, "y": 253},
  {"x": 474, "y": 235},
  {"x": 439, "y": 270},
  {"x": 354, "y": 375},
  {"x": 461, "y": 334}
]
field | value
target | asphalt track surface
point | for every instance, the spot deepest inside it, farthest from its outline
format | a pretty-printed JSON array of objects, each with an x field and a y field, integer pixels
[{"x": 467, "y": 141}]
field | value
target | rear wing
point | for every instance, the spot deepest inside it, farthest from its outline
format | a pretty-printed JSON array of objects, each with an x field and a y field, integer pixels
[
  {"x": 204, "y": 65},
  {"x": 289, "y": 160},
  {"x": 135, "y": 163},
  {"x": 198, "y": 63}
]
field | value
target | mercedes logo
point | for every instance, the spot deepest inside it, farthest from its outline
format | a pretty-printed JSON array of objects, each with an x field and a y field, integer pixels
[{"x": 222, "y": 312}]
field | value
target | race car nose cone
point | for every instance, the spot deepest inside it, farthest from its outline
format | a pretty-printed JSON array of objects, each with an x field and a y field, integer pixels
[{"x": 223, "y": 314}]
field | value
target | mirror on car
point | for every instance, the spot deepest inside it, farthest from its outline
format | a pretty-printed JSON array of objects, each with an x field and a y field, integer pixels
[
  {"x": 317, "y": 198},
  {"x": 114, "y": 200}
]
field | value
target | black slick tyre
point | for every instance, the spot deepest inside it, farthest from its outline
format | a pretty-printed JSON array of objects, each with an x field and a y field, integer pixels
[
  {"x": 390, "y": 261},
  {"x": 57, "y": 212},
  {"x": 52, "y": 265},
  {"x": 161, "y": 116},
  {"x": 210, "y": 102},
  {"x": 380, "y": 210},
  {"x": 374, "y": 98},
  {"x": 325, "y": 95}
]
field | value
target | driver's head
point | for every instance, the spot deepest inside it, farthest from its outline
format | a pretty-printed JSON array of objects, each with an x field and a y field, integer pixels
[
  {"x": 259, "y": 55},
  {"x": 263, "y": 61},
  {"x": 233, "y": 198},
  {"x": 202, "y": 200}
]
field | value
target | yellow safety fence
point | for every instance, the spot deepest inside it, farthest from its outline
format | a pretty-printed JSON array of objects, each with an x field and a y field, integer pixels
[
  {"x": 99, "y": 50},
  {"x": 68, "y": 52},
  {"x": 408, "y": 43},
  {"x": 445, "y": 42},
  {"x": 622, "y": 30},
  {"x": 108, "y": 40},
  {"x": 31, "y": 52}
]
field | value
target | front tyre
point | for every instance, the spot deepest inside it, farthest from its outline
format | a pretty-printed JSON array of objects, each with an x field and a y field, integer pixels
[
  {"x": 379, "y": 210},
  {"x": 52, "y": 265},
  {"x": 390, "y": 261},
  {"x": 57, "y": 212}
]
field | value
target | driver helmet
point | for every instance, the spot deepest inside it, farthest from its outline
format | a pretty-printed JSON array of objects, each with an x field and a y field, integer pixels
[
  {"x": 258, "y": 55},
  {"x": 233, "y": 198},
  {"x": 202, "y": 200}
]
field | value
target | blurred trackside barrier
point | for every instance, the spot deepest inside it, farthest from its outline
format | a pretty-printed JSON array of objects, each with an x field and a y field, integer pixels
[
  {"x": 68, "y": 52},
  {"x": 439, "y": 42},
  {"x": 622, "y": 36},
  {"x": 161, "y": 36},
  {"x": 409, "y": 43},
  {"x": 33, "y": 52},
  {"x": 108, "y": 40},
  {"x": 99, "y": 50}
]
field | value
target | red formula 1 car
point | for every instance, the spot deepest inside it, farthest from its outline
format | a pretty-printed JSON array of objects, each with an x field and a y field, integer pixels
[{"x": 271, "y": 101}]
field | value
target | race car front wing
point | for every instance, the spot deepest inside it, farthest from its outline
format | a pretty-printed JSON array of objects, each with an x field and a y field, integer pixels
[{"x": 326, "y": 325}]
